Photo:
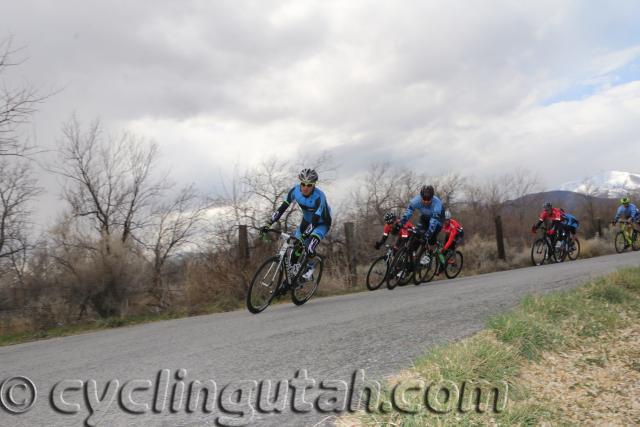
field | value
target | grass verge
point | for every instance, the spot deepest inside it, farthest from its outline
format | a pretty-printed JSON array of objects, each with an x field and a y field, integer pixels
[{"x": 567, "y": 358}]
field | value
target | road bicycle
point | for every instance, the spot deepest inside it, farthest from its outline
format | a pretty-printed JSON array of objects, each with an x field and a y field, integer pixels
[
  {"x": 545, "y": 249},
  {"x": 401, "y": 269},
  {"x": 377, "y": 273},
  {"x": 429, "y": 263},
  {"x": 625, "y": 239},
  {"x": 283, "y": 273}
]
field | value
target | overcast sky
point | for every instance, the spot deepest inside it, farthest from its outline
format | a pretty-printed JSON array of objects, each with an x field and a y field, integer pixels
[{"x": 473, "y": 87}]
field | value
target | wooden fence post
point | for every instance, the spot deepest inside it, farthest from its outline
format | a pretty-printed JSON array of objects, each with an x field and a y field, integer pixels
[
  {"x": 499, "y": 239},
  {"x": 243, "y": 244},
  {"x": 349, "y": 233}
]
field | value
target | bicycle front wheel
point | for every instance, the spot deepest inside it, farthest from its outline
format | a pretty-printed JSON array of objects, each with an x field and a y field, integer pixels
[
  {"x": 264, "y": 285},
  {"x": 398, "y": 270},
  {"x": 303, "y": 290},
  {"x": 377, "y": 273},
  {"x": 539, "y": 252},
  {"x": 620, "y": 242},
  {"x": 427, "y": 263},
  {"x": 453, "y": 264},
  {"x": 635, "y": 239}
]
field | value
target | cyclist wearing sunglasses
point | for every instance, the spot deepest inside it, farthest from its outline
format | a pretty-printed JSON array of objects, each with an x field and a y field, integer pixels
[
  {"x": 431, "y": 214},
  {"x": 316, "y": 213}
]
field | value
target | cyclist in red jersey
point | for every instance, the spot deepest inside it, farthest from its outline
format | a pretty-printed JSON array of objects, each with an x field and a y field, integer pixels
[
  {"x": 556, "y": 218},
  {"x": 453, "y": 234},
  {"x": 390, "y": 220}
]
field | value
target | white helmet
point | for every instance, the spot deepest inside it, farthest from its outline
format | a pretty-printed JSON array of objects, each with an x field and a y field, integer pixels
[
  {"x": 447, "y": 215},
  {"x": 308, "y": 175}
]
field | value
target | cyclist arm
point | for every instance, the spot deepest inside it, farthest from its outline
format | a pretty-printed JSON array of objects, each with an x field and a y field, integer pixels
[
  {"x": 408, "y": 213},
  {"x": 538, "y": 223},
  {"x": 385, "y": 234},
  {"x": 452, "y": 235},
  {"x": 275, "y": 216}
]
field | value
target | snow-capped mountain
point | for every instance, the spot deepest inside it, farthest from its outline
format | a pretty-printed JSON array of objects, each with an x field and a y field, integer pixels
[{"x": 605, "y": 184}]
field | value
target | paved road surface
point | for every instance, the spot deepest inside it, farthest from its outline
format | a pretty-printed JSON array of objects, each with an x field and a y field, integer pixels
[{"x": 380, "y": 332}]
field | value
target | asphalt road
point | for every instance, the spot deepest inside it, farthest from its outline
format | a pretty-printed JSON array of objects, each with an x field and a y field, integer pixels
[{"x": 380, "y": 332}]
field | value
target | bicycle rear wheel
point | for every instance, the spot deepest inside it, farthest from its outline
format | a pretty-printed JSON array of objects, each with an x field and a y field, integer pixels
[
  {"x": 302, "y": 291},
  {"x": 620, "y": 242},
  {"x": 539, "y": 252},
  {"x": 264, "y": 285},
  {"x": 377, "y": 273},
  {"x": 453, "y": 264}
]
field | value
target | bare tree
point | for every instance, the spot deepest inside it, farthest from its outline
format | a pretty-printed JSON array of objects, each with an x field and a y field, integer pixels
[
  {"x": 266, "y": 185},
  {"x": 448, "y": 188},
  {"x": 173, "y": 226},
  {"x": 520, "y": 184},
  {"x": 17, "y": 189},
  {"x": 17, "y": 105},
  {"x": 110, "y": 187},
  {"x": 110, "y": 180}
]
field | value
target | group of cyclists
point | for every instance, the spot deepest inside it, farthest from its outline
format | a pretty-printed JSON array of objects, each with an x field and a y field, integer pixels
[
  {"x": 433, "y": 219},
  {"x": 416, "y": 254},
  {"x": 316, "y": 219}
]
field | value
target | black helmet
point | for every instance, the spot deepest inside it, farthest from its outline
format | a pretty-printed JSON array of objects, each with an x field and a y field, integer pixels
[
  {"x": 308, "y": 175},
  {"x": 390, "y": 217},
  {"x": 546, "y": 205},
  {"x": 426, "y": 192}
]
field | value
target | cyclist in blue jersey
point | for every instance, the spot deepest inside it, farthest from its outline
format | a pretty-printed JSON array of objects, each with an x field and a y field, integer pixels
[
  {"x": 570, "y": 222},
  {"x": 631, "y": 214},
  {"x": 627, "y": 210},
  {"x": 316, "y": 214},
  {"x": 431, "y": 213}
]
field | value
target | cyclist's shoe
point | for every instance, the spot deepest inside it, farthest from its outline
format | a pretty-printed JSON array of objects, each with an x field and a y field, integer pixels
[{"x": 308, "y": 275}]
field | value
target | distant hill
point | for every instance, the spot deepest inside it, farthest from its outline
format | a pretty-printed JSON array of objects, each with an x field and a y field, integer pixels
[{"x": 568, "y": 200}]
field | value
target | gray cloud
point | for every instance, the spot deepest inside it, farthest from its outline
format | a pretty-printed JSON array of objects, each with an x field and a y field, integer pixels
[{"x": 429, "y": 85}]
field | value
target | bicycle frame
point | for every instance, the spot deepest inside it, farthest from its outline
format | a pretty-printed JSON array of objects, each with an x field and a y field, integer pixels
[
  {"x": 287, "y": 245},
  {"x": 627, "y": 227}
]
